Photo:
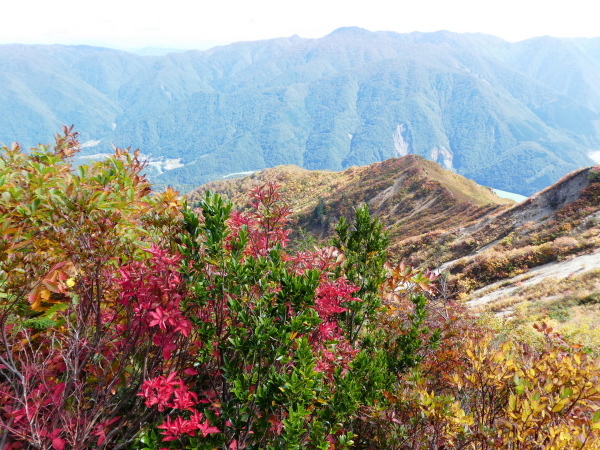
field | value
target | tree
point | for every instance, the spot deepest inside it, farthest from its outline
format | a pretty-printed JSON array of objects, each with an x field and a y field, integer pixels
[{"x": 364, "y": 246}]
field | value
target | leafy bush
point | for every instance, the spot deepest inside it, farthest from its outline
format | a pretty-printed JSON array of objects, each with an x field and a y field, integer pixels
[
  {"x": 131, "y": 321},
  {"x": 283, "y": 357},
  {"x": 81, "y": 276}
]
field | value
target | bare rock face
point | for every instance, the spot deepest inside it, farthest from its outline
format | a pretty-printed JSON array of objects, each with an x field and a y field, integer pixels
[
  {"x": 542, "y": 207},
  {"x": 443, "y": 157},
  {"x": 400, "y": 145}
]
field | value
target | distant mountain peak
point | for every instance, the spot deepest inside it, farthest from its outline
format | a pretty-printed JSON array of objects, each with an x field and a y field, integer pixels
[{"x": 356, "y": 31}]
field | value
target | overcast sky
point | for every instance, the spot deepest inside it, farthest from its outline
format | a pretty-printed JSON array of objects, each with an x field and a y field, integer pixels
[{"x": 202, "y": 24}]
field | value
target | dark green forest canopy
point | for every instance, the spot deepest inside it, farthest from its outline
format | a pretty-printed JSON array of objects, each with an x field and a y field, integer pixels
[{"x": 514, "y": 116}]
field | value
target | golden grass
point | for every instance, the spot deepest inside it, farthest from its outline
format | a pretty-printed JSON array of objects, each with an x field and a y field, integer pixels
[
  {"x": 571, "y": 306},
  {"x": 410, "y": 195}
]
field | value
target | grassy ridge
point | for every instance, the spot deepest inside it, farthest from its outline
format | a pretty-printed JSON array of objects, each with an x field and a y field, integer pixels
[
  {"x": 495, "y": 252},
  {"x": 410, "y": 195}
]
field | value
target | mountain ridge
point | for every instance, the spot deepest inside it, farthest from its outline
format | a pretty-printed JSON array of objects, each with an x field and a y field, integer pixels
[
  {"x": 409, "y": 194},
  {"x": 532, "y": 261}
]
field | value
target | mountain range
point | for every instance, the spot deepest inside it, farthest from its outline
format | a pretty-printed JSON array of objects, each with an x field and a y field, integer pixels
[{"x": 514, "y": 116}]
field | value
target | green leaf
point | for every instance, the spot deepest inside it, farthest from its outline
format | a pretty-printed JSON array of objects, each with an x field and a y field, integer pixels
[{"x": 565, "y": 393}]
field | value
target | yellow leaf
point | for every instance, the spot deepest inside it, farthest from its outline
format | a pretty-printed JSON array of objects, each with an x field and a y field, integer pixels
[
  {"x": 560, "y": 405},
  {"x": 512, "y": 401}
]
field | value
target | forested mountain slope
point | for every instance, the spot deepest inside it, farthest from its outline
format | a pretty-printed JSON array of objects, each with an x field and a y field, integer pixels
[{"x": 515, "y": 116}]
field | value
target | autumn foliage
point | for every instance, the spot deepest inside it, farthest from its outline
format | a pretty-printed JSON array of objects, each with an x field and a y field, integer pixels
[{"x": 129, "y": 319}]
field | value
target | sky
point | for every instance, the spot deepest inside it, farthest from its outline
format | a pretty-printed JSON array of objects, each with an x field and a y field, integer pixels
[{"x": 186, "y": 24}]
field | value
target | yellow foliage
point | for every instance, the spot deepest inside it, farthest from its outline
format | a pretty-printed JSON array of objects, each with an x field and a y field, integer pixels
[{"x": 516, "y": 398}]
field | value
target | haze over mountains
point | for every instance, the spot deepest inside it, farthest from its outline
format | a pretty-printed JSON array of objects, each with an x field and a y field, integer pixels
[{"x": 514, "y": 116}]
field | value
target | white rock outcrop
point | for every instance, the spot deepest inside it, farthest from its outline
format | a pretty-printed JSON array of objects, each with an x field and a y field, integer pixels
[
  {"x": 443, "y": 156},
  {"x": 401, "y": 146}
]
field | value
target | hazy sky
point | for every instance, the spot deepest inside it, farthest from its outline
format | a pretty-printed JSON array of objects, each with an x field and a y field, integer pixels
[{"x": 202, "y": 23}]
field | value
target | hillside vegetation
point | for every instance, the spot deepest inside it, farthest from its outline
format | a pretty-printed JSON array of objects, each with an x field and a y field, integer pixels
[
  {"x": 130, "y": 320},
  {"x": 410, "y": 196},
  {"x": 514, "y": 116},
  {"x": 530, "y": 261}
]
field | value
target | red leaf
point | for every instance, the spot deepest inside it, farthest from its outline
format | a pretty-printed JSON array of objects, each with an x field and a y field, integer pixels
[
  {"x": 190, "y": 371},
  {"x": 58, "y": 443}
]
